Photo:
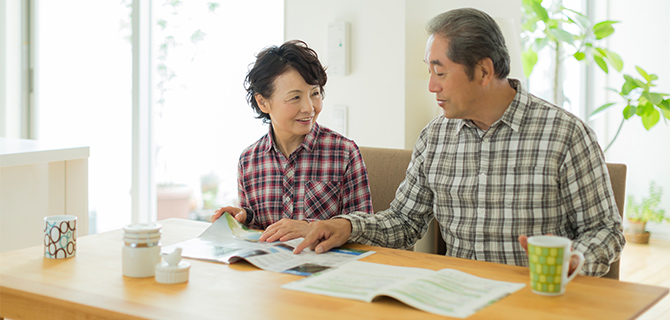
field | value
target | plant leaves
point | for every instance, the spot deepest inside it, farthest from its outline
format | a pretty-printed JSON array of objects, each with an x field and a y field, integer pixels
[
  {"x": 601, "y": 63},
  {"x": 603, "y": 29},
  {"x": 540, "y": 11},
  {"x": 655, "y": 98},
  {"x": 528, "y": 59},
  {"x": 563, "y": 35},
  {"x": 643, "y": 73},
  {"x": 602, "y": 108},
  {"x": 651, "y": 119},
  {"x": 579, "y": 55},
  {"x": 629, "y": 111},
  {"x": 615, "y": 60}
]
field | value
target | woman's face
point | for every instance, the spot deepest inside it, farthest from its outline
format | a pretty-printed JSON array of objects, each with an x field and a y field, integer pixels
[{"x": 293, "y": 107}]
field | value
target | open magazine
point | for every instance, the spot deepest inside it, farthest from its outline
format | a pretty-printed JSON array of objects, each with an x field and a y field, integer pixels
[
  {"x": 228, "y": 241},
  {"x": 446, "y": 292}
]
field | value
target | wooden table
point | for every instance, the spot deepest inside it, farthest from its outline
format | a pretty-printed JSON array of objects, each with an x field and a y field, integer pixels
[{"x": 91, "y": 286}]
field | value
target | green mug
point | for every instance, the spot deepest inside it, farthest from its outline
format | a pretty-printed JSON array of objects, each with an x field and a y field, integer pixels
[{"x": 549, "y": 261}]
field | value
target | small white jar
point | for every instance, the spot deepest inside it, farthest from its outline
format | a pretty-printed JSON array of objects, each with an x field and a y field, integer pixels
[{"x": 141, "y": 250}]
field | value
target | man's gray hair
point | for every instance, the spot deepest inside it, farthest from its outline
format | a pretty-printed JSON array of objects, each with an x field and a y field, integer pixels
[{"x": 473, "y": 35}]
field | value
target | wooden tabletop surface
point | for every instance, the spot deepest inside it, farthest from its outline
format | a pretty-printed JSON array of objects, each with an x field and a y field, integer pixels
[{"x": 91, "y": 286}]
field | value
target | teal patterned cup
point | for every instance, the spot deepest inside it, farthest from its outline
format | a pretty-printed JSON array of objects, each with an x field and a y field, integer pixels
[
  {"x": 60, "y": 237},
  {"x": 549, "y": 261}
]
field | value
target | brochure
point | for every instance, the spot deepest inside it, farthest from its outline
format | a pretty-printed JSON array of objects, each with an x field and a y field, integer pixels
[
  {"x": 446, "y": 292},
  {"x": 228, "y": 241}
]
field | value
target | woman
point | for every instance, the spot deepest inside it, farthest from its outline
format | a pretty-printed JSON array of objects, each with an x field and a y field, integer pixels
[{"x": 300, "y": 171}]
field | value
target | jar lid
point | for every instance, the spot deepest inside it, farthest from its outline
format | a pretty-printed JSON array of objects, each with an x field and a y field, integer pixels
[
  {"x": 172, "y": 269},
  {"x": 142, "y": 228},
  {"x": 168, "y": 274}
]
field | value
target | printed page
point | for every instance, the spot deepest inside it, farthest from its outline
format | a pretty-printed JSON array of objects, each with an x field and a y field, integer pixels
[
  {"x": 356, "y": 280},
  {"x": 451, "y": 292},
  {"x": 227, "y": 241}
]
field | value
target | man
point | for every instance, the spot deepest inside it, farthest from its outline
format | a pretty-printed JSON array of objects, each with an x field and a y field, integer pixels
[{"x": 500, "y": 165}]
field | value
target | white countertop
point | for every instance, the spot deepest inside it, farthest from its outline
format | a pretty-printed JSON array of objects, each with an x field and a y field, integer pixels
[{"x": 15, "y": 152}]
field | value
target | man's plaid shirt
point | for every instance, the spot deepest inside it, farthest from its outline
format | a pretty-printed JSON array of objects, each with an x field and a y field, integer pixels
[
  {"x": 324, "y": 177},
  {"x": 538, "y": 170}
]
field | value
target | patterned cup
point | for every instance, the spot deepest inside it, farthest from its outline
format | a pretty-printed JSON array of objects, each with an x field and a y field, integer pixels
[
  {"x": 549, "y": 261},
  {"x": 60, "y": 237}
]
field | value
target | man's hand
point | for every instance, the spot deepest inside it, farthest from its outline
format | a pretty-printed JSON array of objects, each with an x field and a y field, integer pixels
[
  {"x": 574, "y": 261},
  {"x": 285, "y": 230},
  {"x": 325, "y": 235},
  {"x": 238, "y": 213}
]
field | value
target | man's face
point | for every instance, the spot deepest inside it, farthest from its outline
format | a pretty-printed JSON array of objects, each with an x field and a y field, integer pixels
[{"x": 454, "y": 91}]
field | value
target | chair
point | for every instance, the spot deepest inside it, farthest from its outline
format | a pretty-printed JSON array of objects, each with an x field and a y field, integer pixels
[
  {"x": 386, "y": 170},
  {"x": 618, "y": 178}
]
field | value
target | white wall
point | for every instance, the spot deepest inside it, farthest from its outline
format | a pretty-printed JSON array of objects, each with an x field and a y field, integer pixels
[
  {"x": 10, "y": 69},
  {"x": 643, "y": 39},
  {"x": 386, "y": 90}
]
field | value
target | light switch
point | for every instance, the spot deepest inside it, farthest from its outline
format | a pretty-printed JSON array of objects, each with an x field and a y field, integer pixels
[
  {"x": 338, "y": 48},
  {"x": 340, "y": 119}
]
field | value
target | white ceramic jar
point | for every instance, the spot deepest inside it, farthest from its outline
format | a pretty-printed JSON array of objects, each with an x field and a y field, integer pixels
[{"x": 141, "y": 250}]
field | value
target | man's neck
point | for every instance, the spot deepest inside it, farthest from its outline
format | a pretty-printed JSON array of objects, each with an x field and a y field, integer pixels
[{"x": 498, "y": 96}]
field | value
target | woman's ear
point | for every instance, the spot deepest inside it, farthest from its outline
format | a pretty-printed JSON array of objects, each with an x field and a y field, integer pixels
[{"x": 262, "y": 103}]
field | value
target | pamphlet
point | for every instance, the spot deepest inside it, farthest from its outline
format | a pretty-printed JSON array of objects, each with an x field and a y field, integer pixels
[
  {"x": 446, "y": 292},
  {"x": 228, "y": 241}
]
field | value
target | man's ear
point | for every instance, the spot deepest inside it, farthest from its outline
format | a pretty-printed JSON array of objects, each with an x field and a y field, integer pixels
[
  {"x": 487, "y": 72},
  {"x": 262, "y": 103}
]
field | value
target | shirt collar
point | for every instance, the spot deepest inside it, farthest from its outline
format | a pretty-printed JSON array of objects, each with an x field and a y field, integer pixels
[
  {"x": 309, "y": 143},
  {"x": 514, "y": 113}
]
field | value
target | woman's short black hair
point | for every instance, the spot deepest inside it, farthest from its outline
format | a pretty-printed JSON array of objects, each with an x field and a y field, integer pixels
[{"x": 273, "y": 62}]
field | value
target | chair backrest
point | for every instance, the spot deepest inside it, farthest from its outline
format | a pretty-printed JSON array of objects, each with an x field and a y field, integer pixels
[
  {"x": 386, "y": 170},
  {"x": 618, "y": 178}
]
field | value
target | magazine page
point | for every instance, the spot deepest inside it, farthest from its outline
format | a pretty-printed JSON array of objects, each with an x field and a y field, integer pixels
[
  {"x": 452, "y": 293},
  {"x": 356, "y": 280},
  {"x": 446, "y": 292},
  {"x": 228, "y": 241}
]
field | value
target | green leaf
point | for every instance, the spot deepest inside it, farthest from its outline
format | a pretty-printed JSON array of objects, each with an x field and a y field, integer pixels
[
  {"x": 540, "y": 11},
  {"x": 615, "y": 60},
  {"x": 629, "y": 111},
  {"x": 665, "y": 105},
  {"x": 641, "y": 84},
  {"x": 645, "y": 109},
  {"x": 602, "y": 108},
  {"x": 580, "y": 19},
  {"x": 643, "y": 73},
  {"x": 601, "y": 63},
  {"x": 563, "y": 35},
  {"x": 603, "y": 29},
  {"x": 579, "y": 55},
  {"x": 655, "y": 98},
  {"x": 666, "y": 113},
  {"x": 529, "y": 59},
  {"x": 650, "y": 120}
]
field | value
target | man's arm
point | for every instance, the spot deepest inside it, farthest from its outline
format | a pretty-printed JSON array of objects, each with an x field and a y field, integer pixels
[{"x": 587, "y": 194}]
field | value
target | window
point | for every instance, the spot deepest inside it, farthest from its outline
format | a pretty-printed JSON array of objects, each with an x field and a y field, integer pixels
[{"x": 201, "y": 121}]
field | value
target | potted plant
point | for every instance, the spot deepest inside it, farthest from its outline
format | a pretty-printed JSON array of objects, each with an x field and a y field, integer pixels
[{"x": 639, "y": 213}]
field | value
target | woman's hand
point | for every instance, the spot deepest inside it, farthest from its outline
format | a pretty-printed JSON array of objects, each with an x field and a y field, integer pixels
[
  {"x": 238, "y": 213},
  {"x": 284, "y": 230}
]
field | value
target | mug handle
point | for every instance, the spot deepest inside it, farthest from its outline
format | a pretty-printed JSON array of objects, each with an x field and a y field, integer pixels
[{"x": 579, "y": 266}]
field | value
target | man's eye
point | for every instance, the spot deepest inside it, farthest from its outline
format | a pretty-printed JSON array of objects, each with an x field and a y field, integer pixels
[
  {"x": 296, "y": 98},
  {"x": 316, "y": 94}
]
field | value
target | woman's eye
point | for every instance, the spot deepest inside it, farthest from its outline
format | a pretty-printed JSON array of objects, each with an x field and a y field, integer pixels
[
  {"x": 295, "y": 98},
  {"x": 316, "y": 94}
]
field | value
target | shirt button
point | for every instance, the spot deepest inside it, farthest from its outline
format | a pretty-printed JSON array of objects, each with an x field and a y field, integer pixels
[{"x": 479, "y": 246}]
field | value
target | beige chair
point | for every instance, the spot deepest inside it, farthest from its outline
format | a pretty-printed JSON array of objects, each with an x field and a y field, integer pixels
[
  {"x": 386, "y": 170},
  {"x": 618, "y": 177}
]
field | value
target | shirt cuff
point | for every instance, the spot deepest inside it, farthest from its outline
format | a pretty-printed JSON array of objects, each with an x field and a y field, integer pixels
[
  {"x": 357, "y": 226},
  {"x": 250, "y": 216}
]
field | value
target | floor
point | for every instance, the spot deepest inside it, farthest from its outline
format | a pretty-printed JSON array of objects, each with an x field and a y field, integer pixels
[{"x": 648, "y": 264}]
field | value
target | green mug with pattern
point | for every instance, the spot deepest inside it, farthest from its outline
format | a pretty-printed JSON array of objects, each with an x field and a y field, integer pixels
[{"x": 549, "y": 261}]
